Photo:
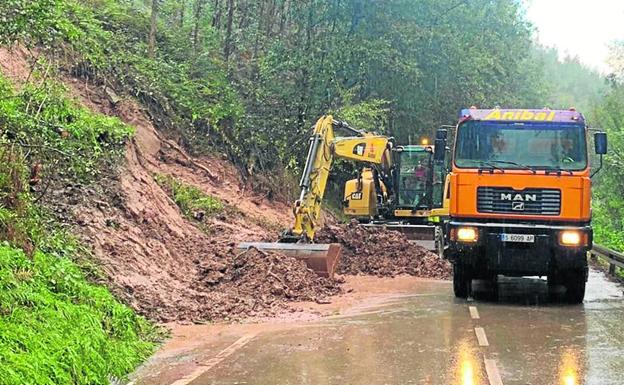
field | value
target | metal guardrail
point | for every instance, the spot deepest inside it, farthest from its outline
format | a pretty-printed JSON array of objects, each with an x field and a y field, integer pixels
[{"x": 613, "y": 257}]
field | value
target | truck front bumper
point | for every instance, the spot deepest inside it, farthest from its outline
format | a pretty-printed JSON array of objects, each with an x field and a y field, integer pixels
[{"x": 489, "y": 254}]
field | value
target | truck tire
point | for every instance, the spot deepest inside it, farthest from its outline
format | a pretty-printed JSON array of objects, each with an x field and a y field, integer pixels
[
  {"x": 462, "y": 280},
  {"x": 574, "y": 282},
  {"x": 439, "y": 241},
  {"x": 493, "y": 281}
]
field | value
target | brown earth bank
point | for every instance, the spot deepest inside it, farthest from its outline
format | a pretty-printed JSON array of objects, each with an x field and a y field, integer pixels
[
  {"x": 165, "y": 265},
  {"x": 170, "y": 268}
]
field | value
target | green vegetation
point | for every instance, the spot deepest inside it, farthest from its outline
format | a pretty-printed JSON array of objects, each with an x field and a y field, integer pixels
[
  {"x": 192, "y": 201},
  {"x": 608, "y": 204},
  {"x": 251, "y": 77},
  {"x": 59, "y": 329},
  {"x": 569, "y": 83},
  {"x": 56, "y": 131}
]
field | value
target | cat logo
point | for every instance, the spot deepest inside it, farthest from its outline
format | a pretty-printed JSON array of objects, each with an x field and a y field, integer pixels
[
  {"x": 359, "y": 149},
  {"x": 356, "y": 196}
]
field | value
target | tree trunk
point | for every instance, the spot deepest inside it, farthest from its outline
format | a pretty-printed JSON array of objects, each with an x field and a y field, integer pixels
[
  {"x": 181, "y": 19},
  {"x": 199, "y": 9},
  {"x": 151, "y": 43},
  {"x": 227, "y": 47},
  {"x": 216, "y": 17},
  {"x": 283, "y": 17}
]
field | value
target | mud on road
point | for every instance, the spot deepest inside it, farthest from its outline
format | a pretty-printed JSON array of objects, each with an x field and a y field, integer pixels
[{"x": 424, "y": 336}]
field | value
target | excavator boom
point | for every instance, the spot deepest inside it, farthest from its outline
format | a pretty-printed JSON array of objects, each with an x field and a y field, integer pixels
[{"x": 323, "y": 149}]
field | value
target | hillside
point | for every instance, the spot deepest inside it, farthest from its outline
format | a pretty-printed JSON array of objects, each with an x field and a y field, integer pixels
[{"x": 141, "y": 140}]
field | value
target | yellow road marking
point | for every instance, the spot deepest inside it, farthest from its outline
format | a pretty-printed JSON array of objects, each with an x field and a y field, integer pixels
[
  {"x": 492, "y": 372},
  {"x": 481, "y": 337},
  {"x": 203, "y": 368},
  {"x": 474, "y": 313}
]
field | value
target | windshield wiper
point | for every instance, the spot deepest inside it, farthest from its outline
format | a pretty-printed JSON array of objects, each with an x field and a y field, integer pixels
[
  {"x": 491, "y": 169},
  {"x": 524, "y": 166},
  {"x": 556, "y": 170}
]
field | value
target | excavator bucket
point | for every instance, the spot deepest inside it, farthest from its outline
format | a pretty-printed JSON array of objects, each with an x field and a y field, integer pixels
[{"x": 321, "y": 257}]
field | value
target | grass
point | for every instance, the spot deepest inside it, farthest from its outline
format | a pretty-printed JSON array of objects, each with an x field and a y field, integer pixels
[
  {"x": 57, "y": 328},
  {"x": 194, "y": 203},
  {"x": 56, "y": 325},
  {"x": 197, "y": 205}
]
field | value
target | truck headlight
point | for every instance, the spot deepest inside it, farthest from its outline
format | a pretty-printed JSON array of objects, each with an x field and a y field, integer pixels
[
  {"x": 467, "y": 234},
  {"x": 572, "y": 238}
]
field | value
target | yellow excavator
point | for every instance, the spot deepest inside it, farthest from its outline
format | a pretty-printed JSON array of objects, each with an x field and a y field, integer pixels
[
  {"x": 416, "y": 203},
  {"x": 398, "y": 188}
]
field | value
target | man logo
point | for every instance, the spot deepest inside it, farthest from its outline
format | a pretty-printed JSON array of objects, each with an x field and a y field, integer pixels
[
  {"x": 517, "y": 206},
  {"x": 518, "y": 197}
]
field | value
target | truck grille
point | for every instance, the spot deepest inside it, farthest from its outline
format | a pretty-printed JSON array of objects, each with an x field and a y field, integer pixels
[{"x": 529, "y": 201}]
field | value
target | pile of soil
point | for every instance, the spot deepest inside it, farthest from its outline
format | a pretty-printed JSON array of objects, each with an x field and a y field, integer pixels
[
  {"x": 256, "y": 282},
  {"x": 381, "y": 252}
]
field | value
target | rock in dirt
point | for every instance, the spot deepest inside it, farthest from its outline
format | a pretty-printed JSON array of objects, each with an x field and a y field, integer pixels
[{"x": 382, "y": 252}]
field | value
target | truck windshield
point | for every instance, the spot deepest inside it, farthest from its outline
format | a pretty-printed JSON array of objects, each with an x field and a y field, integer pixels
[{"x": 521, "y": 146}]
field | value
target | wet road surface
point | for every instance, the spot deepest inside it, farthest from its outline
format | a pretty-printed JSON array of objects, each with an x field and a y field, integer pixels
[{"x": 523, "y": 337}]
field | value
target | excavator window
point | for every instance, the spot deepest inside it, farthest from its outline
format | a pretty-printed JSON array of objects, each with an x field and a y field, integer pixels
[
  {"x": 414, "y": 173},
  {"x": 359, "y": 149}
]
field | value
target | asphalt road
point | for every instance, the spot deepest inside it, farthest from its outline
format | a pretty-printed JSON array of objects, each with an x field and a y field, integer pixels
[{"x": 523, "y": 337}]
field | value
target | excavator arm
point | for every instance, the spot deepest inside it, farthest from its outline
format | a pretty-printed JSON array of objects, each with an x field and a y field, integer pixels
[{"x": 324, "y": 148}]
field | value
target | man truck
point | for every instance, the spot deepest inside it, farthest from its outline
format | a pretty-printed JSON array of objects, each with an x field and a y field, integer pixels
[{"x": 520, "y": 197}]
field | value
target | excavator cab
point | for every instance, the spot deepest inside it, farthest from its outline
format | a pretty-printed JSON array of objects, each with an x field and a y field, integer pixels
[
  {"x": 414, "y": 183},
  {"x": 408, "y": 196}
]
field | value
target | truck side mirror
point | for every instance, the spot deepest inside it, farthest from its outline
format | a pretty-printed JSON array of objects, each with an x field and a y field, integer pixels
[
  {"x": 440, "y": 150},
  {"x": 441, "y": 133},
  {"x": 600, "y": 143}
]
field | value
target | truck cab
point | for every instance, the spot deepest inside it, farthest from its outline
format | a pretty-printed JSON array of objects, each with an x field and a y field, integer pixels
[{"x": 520, "y": 192}]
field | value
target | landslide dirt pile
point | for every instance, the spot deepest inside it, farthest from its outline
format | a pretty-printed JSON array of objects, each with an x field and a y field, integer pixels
[
  {"x": 256, "y": 282},
  {"x": 381, "y": 252},
  {"x": 170, "y": 268},
  {"x": 153, "y": 258}
]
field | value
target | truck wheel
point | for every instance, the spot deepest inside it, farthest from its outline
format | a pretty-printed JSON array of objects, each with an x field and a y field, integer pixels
[
  {"x": 574, "y": 281},
  {"x": 439, "y": 241},
  {"x": 493, "y": 280},
  {"x": 462, "y": 280}
]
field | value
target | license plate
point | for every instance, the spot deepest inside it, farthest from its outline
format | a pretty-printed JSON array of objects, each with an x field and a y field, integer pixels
[{"x": 526, "y": 238}]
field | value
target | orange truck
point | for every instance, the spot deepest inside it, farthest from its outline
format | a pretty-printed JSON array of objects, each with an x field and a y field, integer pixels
[{"x": 520, "y": 197}]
